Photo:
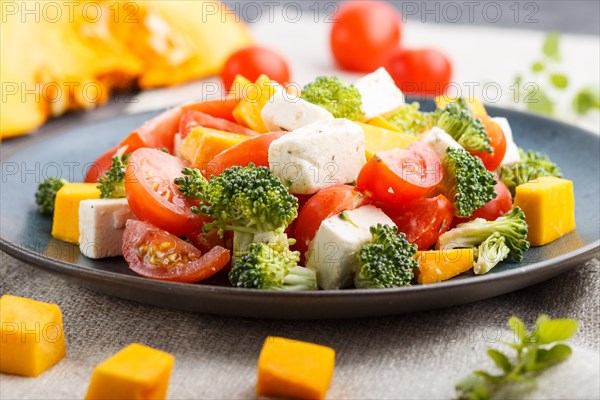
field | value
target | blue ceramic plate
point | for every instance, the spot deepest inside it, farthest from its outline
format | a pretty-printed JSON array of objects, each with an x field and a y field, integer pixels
[{"x": 26, "y": 235}]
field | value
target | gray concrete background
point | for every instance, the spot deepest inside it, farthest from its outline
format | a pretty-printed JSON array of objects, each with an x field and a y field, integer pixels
[{"x": 569, "y": 16}]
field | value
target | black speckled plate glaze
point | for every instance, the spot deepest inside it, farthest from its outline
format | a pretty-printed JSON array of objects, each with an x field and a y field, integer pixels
[{"x": 26, "y": 235}]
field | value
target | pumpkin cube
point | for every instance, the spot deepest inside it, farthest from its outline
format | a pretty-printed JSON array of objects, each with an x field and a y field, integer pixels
[
  {"x": 32, "y": 336},
  {"x": 549, "y": 206},
  {"x": 65, "y": 225},
  {"x": 292, "y": 369},
  {"x": 135, "y": 372},
  {"x": 254, "y": 98},
  {"x": 380, "y": 139},
  {"x": 201, "y": 145},
  {"x": 441, "y": 265}
]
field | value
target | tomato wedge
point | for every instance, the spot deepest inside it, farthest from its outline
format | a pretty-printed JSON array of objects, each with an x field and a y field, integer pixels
[
  {"x": 398, "y": 176},
  {"x": 155, "y": 133},
  {"x": 498, "y": 206},
  {"x": 322, "y": 205},
  {"x": 497, "y": 142},
  {"x": 157, "y": 254},
  {"x": 100, "y": 166},
  {"x": 422, "y": 220},
  {"x": 153, "y": 196},
  {"x": 192, "y": 119},
  {"x": 220, "y": 108},
  {"x": 254, "y": 150},
  {"x": 159, "y": 132}
]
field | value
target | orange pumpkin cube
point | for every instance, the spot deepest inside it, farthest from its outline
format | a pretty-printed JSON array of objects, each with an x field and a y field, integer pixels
[
  {"x": 293, "y": 369},
  {"x": 135, "y": 372},
  {"x": 32, "y": 336}
]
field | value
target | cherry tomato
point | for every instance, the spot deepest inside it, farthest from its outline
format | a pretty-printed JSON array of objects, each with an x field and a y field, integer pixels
[
  {"x": 100, "y": 166},
  {"x": 254, "y": 61},
  {"x": 322, "y": 205},
  {"x": 157, "y": 254},
  {"x": 422, "y": 220},
  {"x": 425, "y": 72},
  {"x": 401, "y": 175},
  {"x": 255, "y": 150},
  {"x": 364, "y": 35},
  {"x": 495, "y": 208},
  {"x": 192, "y": 119},
  {"x": 498, "y": 143},
  {"x": 153, "y": 196}
]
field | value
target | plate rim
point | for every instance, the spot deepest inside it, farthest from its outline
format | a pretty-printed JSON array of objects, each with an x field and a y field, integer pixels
[{"x": 39, "y": 259}]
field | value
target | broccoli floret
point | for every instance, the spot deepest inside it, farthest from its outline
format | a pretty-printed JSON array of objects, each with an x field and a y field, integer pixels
[
  {"x": 532, "y": 165},
  {"x": 112, "y": 183},
  {"x": 511, "y": 226},
  {"x": 334, "y": 95},
  {"x": 387, "y": 261},
  {"x": 490, "y": 253},
  {"x": 466, "y": 182},
  {"x": 468, "y": 131},
  {"x": 46, "y": 194},
  {"x": 246, "y": 200},
  {"x": 409, "y": 119},
  {"x": 272, "y": 266}
]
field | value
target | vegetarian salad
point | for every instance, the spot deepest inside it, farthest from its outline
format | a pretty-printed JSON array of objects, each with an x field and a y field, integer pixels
[{"x": 333, "y": 186}]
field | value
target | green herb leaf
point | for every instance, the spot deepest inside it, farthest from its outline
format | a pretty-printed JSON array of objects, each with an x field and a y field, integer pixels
[
  {"x": 537, "y": 67},
  {"x": 500, "y": 360},
  {"x": 518, "y": 327},
  {"x": 556, "y": 330},
  {"x": 551, "y": 46},
  {"x": 559, "y": 81},
  {"x": 538, "y": 101},
  {"x": 557, "y": 353},
  {"x": 586, "y": 99}
]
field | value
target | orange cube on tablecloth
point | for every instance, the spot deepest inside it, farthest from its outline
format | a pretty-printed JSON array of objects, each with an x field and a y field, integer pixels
[
  {"x": 135, "y": 372},
  {"x": 32, "y": 336},
  {"x": 294, "y": 369}
]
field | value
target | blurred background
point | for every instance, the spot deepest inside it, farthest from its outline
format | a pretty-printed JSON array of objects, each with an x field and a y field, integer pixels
[{"x": 68, "y": 58}]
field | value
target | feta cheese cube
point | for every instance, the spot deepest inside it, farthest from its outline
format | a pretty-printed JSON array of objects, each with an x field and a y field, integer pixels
[
  {"x": 439, "y": 140},
  {"x": 101, "y": 227},
  {"x": 319, "y": 155},
  {"x": 512, "y": 151},
  {"x": 285, "y": 112},
  {"x": 333, "y": 251},
  {"x": 379, "y": 93}
]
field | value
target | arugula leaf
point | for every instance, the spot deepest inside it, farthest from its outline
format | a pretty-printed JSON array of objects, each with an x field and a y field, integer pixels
[
  {"x": 533, "y": 355},
  {"x": 559, "y": 81},
  {"x": 551, "y": 46}
]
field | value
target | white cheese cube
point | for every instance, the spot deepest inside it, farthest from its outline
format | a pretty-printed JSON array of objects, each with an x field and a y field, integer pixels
[
  {"x": 333, "y": 251},
  {"x": 512, "y": 151},
  {"x": 379, "y": 93},
  {"x": 101, "y": 226},
  {"x": 285, "y": 112},
  {"x": 439, "y": 140},
  {"x": 319, "y": 155}
]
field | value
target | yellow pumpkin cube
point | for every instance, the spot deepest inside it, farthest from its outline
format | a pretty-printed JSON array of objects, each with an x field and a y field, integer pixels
[
  {"x": 293, "y": 369},
  {"x": 474, "y": 104},
  {"x": 135, "y": 372},
  {"x": 441, "y": 265},
  {"x": 254, "y": 98},
  {"x": 65, "y": 225},
  {"x": 32, "y": 336},
  {"x": 379, "y": 139},
  {"x": 549, "y": 206},
  {"x": 201, "y": 145},
  {"x": 383, "y": 123}
]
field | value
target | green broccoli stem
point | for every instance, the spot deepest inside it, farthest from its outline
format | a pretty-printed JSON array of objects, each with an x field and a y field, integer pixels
[
  {"x": 241, "y": 241},
  {"x": 300, "y": 278}
]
